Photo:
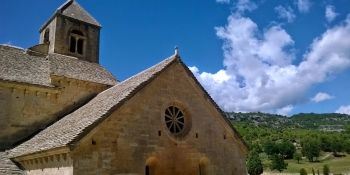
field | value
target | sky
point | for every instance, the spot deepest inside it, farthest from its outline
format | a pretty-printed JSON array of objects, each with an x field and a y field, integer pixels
[{"x": 276, "y": 56}]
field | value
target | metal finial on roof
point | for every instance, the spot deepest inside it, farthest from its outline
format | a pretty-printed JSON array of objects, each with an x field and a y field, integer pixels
[{"x": 176, "y": 50}]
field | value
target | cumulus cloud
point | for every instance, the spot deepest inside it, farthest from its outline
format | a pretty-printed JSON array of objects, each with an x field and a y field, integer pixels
[
  {"x": 343, "y": 110},
  {"x": 223, "y": 1},
  {"x": 285, "y": 13},
  {"x": 259, "y": 73},
  {"x": 245, "y": 5},
  {"x": 330, "y": 13},
  {"x": 303, "y": 5},
  {"x": 321, "y": 97},
  {"x": 285, "y": 111}
]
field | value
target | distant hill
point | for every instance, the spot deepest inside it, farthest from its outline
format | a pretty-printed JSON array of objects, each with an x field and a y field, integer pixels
[{"x": 327, "y": 122}]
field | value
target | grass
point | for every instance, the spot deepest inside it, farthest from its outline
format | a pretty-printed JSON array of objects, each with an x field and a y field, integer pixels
[{"x": 337, "y": 165}]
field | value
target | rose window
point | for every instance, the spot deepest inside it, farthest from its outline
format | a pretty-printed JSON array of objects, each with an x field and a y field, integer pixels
[{"x": 174, "y": 119}]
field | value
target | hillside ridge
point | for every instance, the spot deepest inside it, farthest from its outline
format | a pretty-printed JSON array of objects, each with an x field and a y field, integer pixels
[{"x": 325, "y": 121}]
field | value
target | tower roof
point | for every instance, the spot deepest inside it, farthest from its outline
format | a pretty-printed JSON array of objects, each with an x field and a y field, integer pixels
[{"x": 73, "y": 10}]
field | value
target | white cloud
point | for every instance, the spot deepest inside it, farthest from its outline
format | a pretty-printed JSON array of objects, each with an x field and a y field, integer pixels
[
  {"x": 343, "y": 110},
  {"x": 243, "y": 5},
  {"x": 303, "y": 5},
  {"x": 330, "y": 13},
  {"x": 321, "y": 97},
  {"x": 285, "y": 111},
  {"x": 223, "y": 1},
  {"x": 285, "y": 13},
  {"x": 259, "y": 74}
]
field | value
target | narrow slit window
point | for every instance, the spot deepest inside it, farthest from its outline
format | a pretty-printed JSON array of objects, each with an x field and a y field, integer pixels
[
  {"x": 159, "y": 133},
  {"x": 147, "y": 170},
  {"x": 80, "y": 46},
  {"x": 72, "y": 44},
  {"x": 46, "y": 36}
]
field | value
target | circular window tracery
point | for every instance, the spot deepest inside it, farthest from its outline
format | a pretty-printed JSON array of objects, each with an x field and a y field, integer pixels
[{"x": 174, "y": 119}]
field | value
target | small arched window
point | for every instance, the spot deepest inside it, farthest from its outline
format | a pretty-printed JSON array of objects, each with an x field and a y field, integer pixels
[
  {"x": 47, "y": 36},
  {"x": 77, "y": 40}
]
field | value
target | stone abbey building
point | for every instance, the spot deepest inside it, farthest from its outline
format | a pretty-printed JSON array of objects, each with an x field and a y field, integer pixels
[{"x": 62, "y": 113}]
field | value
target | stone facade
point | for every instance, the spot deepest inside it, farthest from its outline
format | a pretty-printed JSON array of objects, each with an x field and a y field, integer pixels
[
  {"x": 136, "y": 136},
  {"x": 57, "y": 32},
  {"x": 26, "y": 110},
  {"x": 61, "y": 113}
]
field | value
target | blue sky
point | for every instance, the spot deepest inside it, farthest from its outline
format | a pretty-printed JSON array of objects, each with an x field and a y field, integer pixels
[{"x": 276, "y": 56}]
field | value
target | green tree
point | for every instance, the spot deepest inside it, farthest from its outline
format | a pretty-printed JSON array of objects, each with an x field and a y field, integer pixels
[
  {"x": 347, "y": 129},
  {"x": 303, "y": 171},
  {"x": 278, "y": 163},
  {"x": 326, "y": 170},
  {"x": 313, "y": 171},
  {"x": 256, "y": 147},
  {"x": 254, "y": 164},
  {"x": 297, "y": 156},
  {"x": 287, "y": 149},
  {"x": 311, "y": 148},
  {"x": 347, "y": 146},
  {"x": 336, "y": 145},
  {"x": 270, "y": 148}
]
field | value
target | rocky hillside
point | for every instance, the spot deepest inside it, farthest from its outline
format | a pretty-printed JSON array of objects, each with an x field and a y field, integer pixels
[{"x": 327, "y": 122}]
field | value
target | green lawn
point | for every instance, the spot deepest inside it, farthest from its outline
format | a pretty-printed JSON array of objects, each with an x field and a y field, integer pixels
[{"x": 337, "y": 165}]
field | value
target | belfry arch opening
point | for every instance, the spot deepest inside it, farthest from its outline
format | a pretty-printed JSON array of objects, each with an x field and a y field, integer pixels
[
  {"x": 152, "y": 166},
  {"x": 77, "y": 42},
  {"x": 47, "y": 36}
]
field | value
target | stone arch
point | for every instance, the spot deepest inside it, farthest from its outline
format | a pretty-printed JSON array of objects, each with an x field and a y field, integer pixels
[
  {"x": 47, "y": 36},
  {"x": 77, "y": 40},
  {"x": 152, "y": 166},
  {"x": 204, "y": 166}
]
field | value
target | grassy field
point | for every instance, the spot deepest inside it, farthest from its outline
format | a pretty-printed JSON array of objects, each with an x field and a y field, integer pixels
[{"x": 337, "y": 165}]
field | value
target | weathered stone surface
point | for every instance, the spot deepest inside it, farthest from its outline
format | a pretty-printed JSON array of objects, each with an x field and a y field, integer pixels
[{"x": 7, "y": 167}]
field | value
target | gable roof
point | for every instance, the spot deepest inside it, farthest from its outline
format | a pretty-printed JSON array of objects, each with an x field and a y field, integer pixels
[
  {"x": 17, "y": 66},
  {"x": 71, "y": 128},
  {"x": 74, "y": 126},
  {"x": 7, "y": 166},
  {"x": 73, "y": 10}
]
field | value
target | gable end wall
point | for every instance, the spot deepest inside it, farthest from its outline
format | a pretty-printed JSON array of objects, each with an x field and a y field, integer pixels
[{"x": 128, "y": 139}]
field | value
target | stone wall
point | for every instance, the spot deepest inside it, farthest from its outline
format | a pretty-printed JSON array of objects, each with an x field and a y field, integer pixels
[
  {"x": 136, "y": 136},
  {"x": 63, "y": 27},
  {"x": 27, "y": 109}
]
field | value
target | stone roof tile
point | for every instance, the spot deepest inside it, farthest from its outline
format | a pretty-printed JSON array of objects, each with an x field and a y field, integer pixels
[
  {"x": 73, "y": 126},
  {"x": 73, "y": 10},
  {"x": 70, "y": 67},
  {"x": 17, "y": 66},
  {"x": 7, "y": 166}
]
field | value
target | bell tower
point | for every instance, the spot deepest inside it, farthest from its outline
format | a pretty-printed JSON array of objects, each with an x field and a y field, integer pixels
[{"x": 72, "y": 31}]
